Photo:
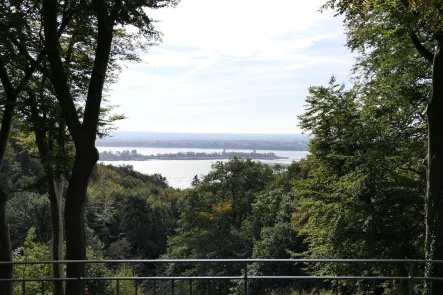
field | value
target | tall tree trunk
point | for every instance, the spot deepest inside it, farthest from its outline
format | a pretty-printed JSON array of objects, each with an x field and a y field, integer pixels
[
  {"x": 6, "y": 271},
  {"x": 85, "y": 160},
  {"x": 55, "y": 198},
  {"x": 5, "y": 247},
  {"x": 83, "y": 133},
  {"x": 434, "y": 204},
  {"x": 44, "y": 142},
  {"x": 11, "y": 94}
]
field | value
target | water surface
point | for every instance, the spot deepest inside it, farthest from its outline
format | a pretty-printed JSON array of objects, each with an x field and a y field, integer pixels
[{"x": 179, "y": 173}]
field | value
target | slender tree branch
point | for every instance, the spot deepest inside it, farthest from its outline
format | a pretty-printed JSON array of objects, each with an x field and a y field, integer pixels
[
  {"x": 420, "y": 48},
  {"x": 8, "y": 111},
  {"x": 66, "y": 17},
  {"x": 22, "y": 49},
  {"x": 58, "y": 78},
  {"x": 11, "y": 99},
  {"x": 115, "y": 11},
  {"x": 102, "y": 55},
  {"x": 4, "y": 77},
  {"x": 70, "y": 50},
  {"x": 40, "y": 134}
]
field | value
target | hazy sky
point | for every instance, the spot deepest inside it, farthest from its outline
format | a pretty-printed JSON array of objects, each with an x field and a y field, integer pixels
[{"x": 232, "y": 66}]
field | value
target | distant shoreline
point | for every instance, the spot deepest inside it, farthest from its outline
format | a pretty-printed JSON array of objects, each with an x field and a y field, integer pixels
[
  {"x": 194, "y": 159},
  {"x": 276, "y": 142},
  {"x": 290, "y": 147},
  {"x": 127, "y": 155}
]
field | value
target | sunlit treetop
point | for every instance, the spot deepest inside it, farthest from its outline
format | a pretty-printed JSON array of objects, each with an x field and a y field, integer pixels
[{"x": 410, "y": 14}]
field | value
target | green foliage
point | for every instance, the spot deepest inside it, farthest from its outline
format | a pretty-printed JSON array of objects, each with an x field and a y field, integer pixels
[
  {"x": 97, "y": 287},
  {"x": 238, "y": 210},
  {"x": 363, "y": 195},
  {"x": 215, "y": 217},
  {"x": 364, "y": 192},
  {"x": 20, "y": 170},
  {"x": 136, "y": 223},
  {"x": 28, "y": 210},
  {"x": 358, "y": 195},
  {"x": 424, "y": 16},
  {"x": 32, "y": 251},
  {"x": 130, "y": 212}
]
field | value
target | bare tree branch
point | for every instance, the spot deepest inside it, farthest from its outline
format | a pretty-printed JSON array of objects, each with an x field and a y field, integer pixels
[
  {"x": 420, "y": 48},
  {"x": 22, "y": 49},
  {"x": 102, "y": 55},
  {"x": 11, "y": 99},
  {"x": 58, "y": 77}
]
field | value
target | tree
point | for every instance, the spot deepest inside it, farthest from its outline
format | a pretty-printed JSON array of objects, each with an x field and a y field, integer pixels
[
  {"x": 26, "y": 210},
  {"x": 43, "y": 124},
  {"x": 362, "y": 195},
  {"x": 15, "y": 72},
  {"x": 216, "y": 218},
  {"x": 276, "y": 240},
  {"x": 137, "y": 225},
  {"x": 97, "y": 23},
  {"x": 41, "y": 120},
  {"x": 33, "y": 250},
  {"x": 55, "y": 154},
  {"x": 416, "y": 24}
]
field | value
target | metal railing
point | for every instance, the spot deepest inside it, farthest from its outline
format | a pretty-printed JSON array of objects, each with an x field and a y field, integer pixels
[{"x": 240, "y": 282}]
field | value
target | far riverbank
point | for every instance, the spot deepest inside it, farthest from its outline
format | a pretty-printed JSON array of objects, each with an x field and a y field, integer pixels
[
  {"x": 133, "y": 155},
  {"x": 179, "y": 173}
]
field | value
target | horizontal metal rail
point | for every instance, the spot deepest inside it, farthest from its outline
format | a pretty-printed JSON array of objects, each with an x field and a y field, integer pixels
[
  {"x": 245, "y": 278},
  {"x": 168, "y": 261},
  {"x": 231, "y": 278}
]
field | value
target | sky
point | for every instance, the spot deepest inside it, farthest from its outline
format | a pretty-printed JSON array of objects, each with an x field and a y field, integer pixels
[{"x": 232, "y": 66}]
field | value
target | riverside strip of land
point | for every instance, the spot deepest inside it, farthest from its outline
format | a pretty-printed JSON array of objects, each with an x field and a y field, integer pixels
[{"x": 132, "y": 155}]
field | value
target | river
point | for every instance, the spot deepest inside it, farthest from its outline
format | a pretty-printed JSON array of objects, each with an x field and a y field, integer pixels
[{"x": 179, "y": 173}]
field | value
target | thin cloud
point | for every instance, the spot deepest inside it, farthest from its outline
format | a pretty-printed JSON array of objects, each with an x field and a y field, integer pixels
[
  {"x": 227, "y": 64},
  {"x": 252, "y": 95},
  {"x": 205, "y": 64}
]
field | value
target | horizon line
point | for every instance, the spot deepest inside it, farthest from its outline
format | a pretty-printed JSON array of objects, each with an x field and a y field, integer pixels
[{"x": 195, "y": 132}]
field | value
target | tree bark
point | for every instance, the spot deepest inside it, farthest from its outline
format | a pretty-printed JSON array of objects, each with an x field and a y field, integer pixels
[
  {"x": 11, "y": 94},
  {"x": 6, "y": 271},
  {"x": 434, "y": 198},
  {"x": 44, "y": 142},
  {"x": 85, "y": 160},
  {"x": 83, "y": 134},
  {"x": 420, "y": 48},
  {"x": 55, "y": 198}
]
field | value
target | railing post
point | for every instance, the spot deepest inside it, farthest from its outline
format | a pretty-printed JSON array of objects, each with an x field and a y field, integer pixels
[
  {"x": 359, "y": 285},
  {"x": 411, "y": 278},
  {"x": 245, "y": 278}
]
